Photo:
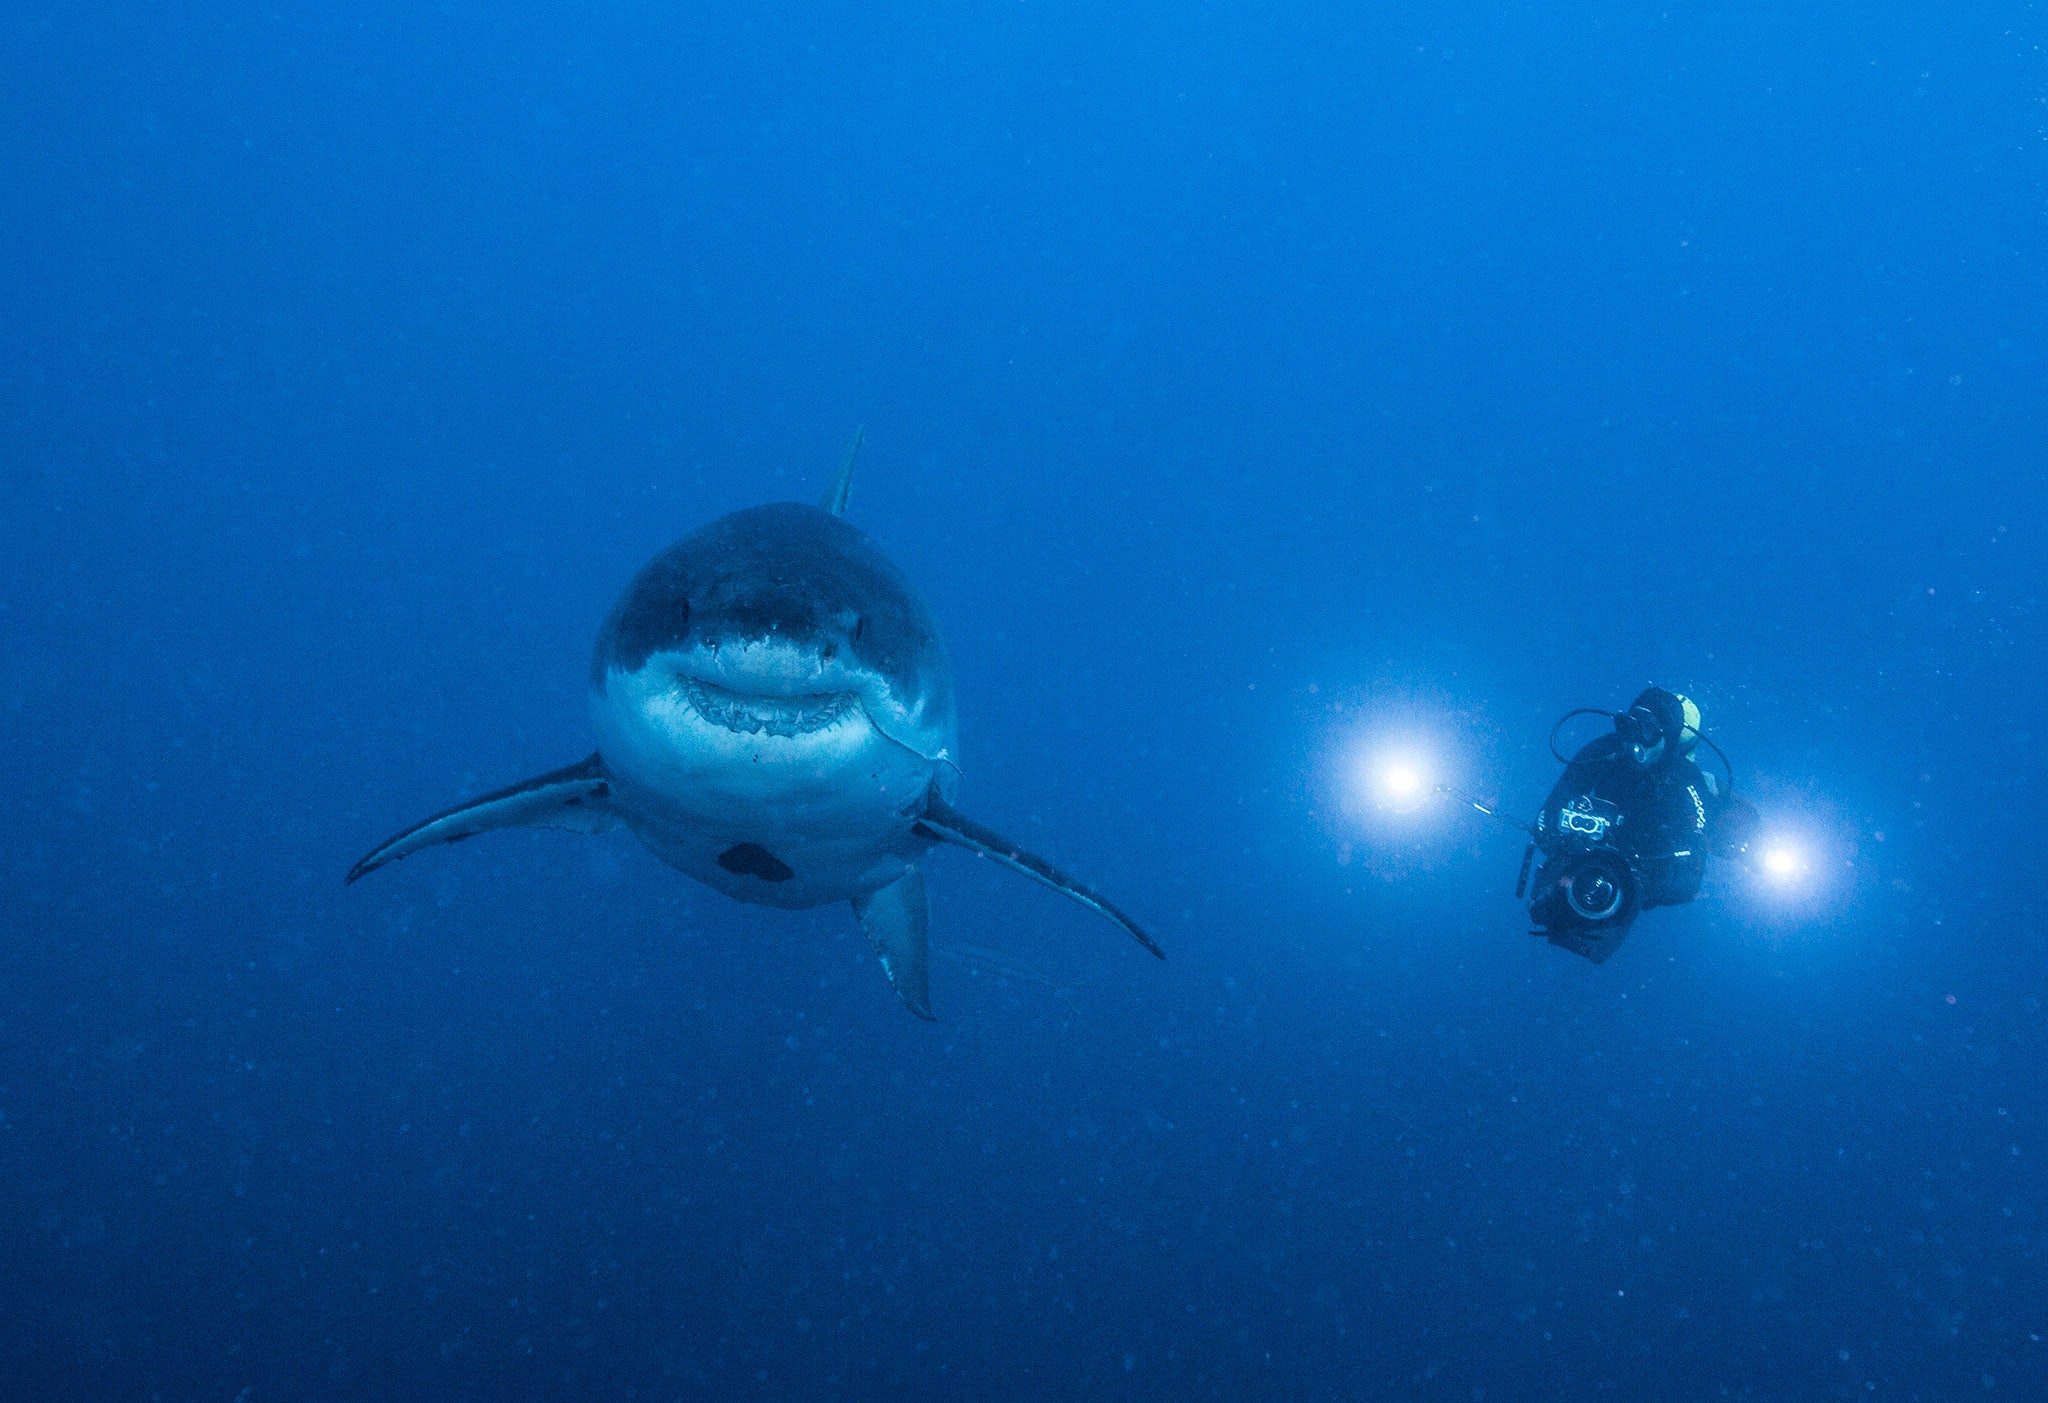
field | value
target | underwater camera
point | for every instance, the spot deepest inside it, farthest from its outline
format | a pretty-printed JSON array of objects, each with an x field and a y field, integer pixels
[{"x": 1591, "y": 887}]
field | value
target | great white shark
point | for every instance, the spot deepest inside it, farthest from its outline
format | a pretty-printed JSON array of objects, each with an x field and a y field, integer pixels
[{"x": 774, "y": 716}]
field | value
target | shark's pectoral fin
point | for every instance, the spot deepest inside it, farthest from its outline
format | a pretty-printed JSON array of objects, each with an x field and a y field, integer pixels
[
  {"x": 895, "y": 919},
  {"x": 578, "y": 797},
  {"x": 941, "y": 820}
]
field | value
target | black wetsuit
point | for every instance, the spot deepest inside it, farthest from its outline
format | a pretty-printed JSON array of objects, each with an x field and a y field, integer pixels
[
  {"x": 1665, "y": 810},
  {"x": 1658, "y": 817}
]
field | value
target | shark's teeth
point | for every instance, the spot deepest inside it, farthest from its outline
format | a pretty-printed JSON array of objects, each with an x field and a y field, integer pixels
[{"x": 774, "y": 716}]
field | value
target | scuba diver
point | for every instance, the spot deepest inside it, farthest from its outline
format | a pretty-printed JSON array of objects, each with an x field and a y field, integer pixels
[{"x": 1629, "y": 825}]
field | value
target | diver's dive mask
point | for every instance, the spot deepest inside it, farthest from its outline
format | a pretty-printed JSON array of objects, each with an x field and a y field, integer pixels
[{"x": 1642, "y": 733}]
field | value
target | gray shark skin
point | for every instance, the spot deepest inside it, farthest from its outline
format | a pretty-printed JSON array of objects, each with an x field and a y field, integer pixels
[{"x": 774, "y": 717}]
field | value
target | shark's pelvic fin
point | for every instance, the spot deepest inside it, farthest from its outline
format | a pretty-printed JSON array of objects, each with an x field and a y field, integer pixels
[
  {"x": 896, "y": 919},
  {"x": 576, "y": 797},
  {"x": 842, "y": 481},
  {"x": 941, "y": 820}
]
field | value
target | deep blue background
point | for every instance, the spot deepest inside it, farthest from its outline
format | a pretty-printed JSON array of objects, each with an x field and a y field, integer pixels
[{"x": 1249, "y": 388}]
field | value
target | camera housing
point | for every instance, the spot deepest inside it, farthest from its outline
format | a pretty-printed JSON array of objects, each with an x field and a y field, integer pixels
[{"x": 1593, "y": 887}]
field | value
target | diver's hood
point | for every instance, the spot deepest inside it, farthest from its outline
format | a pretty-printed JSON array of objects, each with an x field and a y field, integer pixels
[{"x": 1669, "y": 713}]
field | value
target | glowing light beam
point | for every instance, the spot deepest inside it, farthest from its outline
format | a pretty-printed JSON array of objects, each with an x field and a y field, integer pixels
[
  {"x": 1399, "y": 782},
  {"x": 1784, "y": 863}
]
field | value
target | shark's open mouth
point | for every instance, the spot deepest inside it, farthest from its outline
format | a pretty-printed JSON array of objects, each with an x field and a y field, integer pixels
[{"x": 751, "y": 714}]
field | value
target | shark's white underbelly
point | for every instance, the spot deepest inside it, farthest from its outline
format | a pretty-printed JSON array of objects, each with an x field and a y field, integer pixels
[{"x": 798, "y": 820}]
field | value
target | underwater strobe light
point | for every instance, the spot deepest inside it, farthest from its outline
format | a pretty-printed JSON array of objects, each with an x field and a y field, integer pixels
[
  {"x": 1784, "y": 863},
  {"x": 1403, "y": 784},
  {"x": 1396, "y": 781}
]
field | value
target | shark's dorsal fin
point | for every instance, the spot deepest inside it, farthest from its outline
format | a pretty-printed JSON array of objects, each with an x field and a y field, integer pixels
[
  {"x": 842, "y": 482},
  {"x": 942, "y": 821}
]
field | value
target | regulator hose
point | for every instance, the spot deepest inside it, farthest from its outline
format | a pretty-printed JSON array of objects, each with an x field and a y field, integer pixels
[{"x": 1726, "y": 766}]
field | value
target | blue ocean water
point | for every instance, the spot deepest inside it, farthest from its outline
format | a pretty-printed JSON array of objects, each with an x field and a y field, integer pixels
[{"x": 1255, "y": 392}]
